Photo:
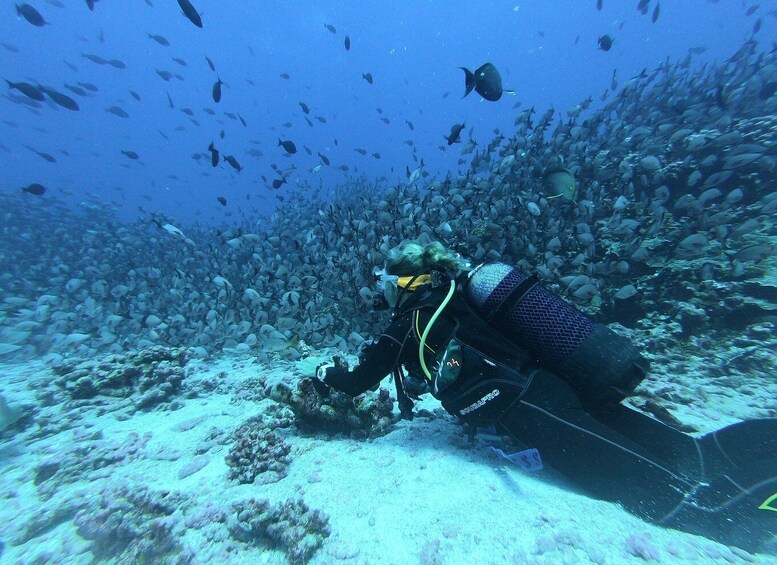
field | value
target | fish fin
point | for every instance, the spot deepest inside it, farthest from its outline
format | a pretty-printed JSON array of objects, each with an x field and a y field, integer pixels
[{"x": 469, "y": 81}]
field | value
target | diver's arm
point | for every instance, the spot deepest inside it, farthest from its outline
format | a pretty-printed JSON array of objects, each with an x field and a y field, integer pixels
[{"x": 377, "y": 361}]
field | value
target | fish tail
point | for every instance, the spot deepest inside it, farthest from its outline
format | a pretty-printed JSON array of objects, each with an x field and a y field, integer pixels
[{"x": 469, "y": 80}]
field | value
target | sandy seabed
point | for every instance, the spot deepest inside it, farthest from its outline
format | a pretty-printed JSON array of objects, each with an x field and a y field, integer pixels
[{"x": 420, "y": 494}]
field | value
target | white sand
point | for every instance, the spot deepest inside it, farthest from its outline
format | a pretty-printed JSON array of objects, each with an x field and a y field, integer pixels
[{"x": 421, "y": 494}]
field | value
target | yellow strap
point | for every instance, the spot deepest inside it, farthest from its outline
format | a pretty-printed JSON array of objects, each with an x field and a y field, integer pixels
[{"x": 436, "y": 314}]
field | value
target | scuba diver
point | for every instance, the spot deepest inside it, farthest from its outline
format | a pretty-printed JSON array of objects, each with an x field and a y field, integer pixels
[{"x": 497, "y": 349}]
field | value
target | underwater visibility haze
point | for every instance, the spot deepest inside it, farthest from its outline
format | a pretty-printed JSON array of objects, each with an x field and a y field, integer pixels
[{"x": 195, "y": 195}]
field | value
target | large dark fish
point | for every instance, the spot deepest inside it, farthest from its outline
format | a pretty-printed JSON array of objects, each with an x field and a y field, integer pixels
[
  {"x": 324, "y": 159},
  {"x": 217, "y": 90},
  {"x": 455, "y": 133},
  {"x": 31, "y": 15},
  {"x": 288, "y": 146},
  {"x": 486, "y": 81},
  {"x": 61, "y": 99},
  {"x": 304, "y": 107},
  {"x": 27, "y": 89},
  {"x": 276, "y": 184},
  {"x": 605, "y": 42},
  {"x": 367, "y": 77},
  {"x": 131, "y": 154},
  {"x": 190, "y": 12},
  {"x": 35, "y": 188},
  {"x": 222, "y": 200}
]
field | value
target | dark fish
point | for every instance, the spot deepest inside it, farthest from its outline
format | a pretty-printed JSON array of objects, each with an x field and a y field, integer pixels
[
  {"x": 210, "y": 64},
  {"x": 344, "y": 168},
  {"x": 35, "y": 188},
  {"x": 90, "y": 4},
  {"x": 330, "y": 27},
  {"x": 324, "y": 159},
  {"x": 170, "y": 101},
  {"x": 76, "y": 90},
  {"x": 214, "y": 154},
  {"x": 455, "y": 133},
  {"x": 31, "y": 15},
  {"x": 642, "y": 7},
  {"x": 135, "y": 95},
  {"x": 61, "y": 99},
  {"x": 88, "y": 86},
  {"x": 757, "y": 25},
  {"x": 190, "y": 12},
  {"x": 187, "y": 111},
  {"x": 115, "y": 63},
  {"x": 242, "y": 121},
  {"x": 605, "y": 42},
  {"x": 385, "y": 120},
  {"x": 288, "y": 146},
  {"x": 166, "y": 75},
  {"x": 95, "y": 58},
  {"x": 180, "y": 61},
  {"x": 752, "y": 9},
  {"x": 131, "y": 154},
  {"x": 233, "y": 163},
  {"x": 410, "y": 124},
  {"x": 361, "y": 150},
  {"x": 116, "y": 111},
  {"x": 285, "y": 75},
  {"x": 367, "y": 77},
  {"x": 656, "y": 11},
  {"x": 11, "y": 48},
  {"x": 376, "y": 155},
  {"x": 321, "y": 119},
  {"x": 307, "y": 150},
  {"x": 159, "y": 39},
  {"x": 47, "y": 156},
  {"x": 27, "y": 89},
  {"x": 347, "y": 43},
  {"x": 230, "y": 115},
  {"x": 217, "y": 90},
  {"x": 304, "y": 107},
  {"x": 308, "y": 121},
  {"x": 222, "y": 134},
  {"x": 486, "y": 81},
  {"x": 599, "y": 5},
  {"x": 221, "y": 199},
  {"x": 276, "y": 184}
]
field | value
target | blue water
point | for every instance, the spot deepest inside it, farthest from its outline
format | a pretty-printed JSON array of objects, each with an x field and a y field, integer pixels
[{"x": 546, "y": 51}]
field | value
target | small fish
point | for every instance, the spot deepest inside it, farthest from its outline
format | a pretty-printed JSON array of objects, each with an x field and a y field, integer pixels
[
  {"x": 385, "y": 120},
  {"x": 324, "y": 159},
  {"x": 288, "y": 146},
  {"x": 277, "y": 183},
  {"x": 285, "y": 75},
  {"x": 116, "y": 64},
  {"x": 455, "y": 133},
  {"x": 190, "y": 12},
  {"x": 159, "y": 39},
  {"x": 222, "y": 134},
  {"x": 47, "y": 156},
  {"x": 95, "y": 58},
  {"x": 187, "y": 111},
  {"x": 376, "y": 155},
  {"x": 361, "y": 150},
  {"x": 304, "y": 107},
  {"x": 752, "y": 9},
  {"x": 214, "y": 154},
  {"x": 486, "y": 81},
  {"x": 76, "y": 90},
  {"x": 321, "y": 119},
  {"x": 605, "y": 42},
  {"x": 11, "y": 48},
  {"x": 170, "y": 101},
  {"x": 367, "y": 77},
  {"x": 222, "y": 200},
  {"x": 131, "y": 154},
  {"x": 330, "y": 27},
  {"x": 599, "y": 5},
  {"x": 643, "y": 6},
  {"x": 410, "y": 124},
  {"x": 180, "y": 61},
  {"x": 347, "y": 43},
  {"x": 210, "y": 64},
  {"x": 217, "y": 90},
  {"x": 242, "y": 121},
  {"x": 88, "y": 86},
  {"x": 116, "y": 111},
  {"x": 656, "y": 11},
  {"x": 27, "y": 89},
  {"x": 90, "y": 4},
  {"x": 31, "y": 15},
  {"x": 35, "y": 189},
  {"x": 233, "y": 163},
  {"x": 166, "y": 75},
  {"x": 134, "y": 94},
  {"x": 757, "y": 25},
  {"x": 61, "y": 99}
]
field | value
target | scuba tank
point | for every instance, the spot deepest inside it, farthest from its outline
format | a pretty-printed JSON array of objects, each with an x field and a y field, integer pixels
[{"x": 599, "y": 364}]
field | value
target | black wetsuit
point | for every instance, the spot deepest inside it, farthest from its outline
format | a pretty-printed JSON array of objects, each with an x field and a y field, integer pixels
[{"x": 712, "y": 486}]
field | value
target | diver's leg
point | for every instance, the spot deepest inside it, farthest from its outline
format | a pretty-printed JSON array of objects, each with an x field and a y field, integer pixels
[{"x": 592, "y": 456}]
